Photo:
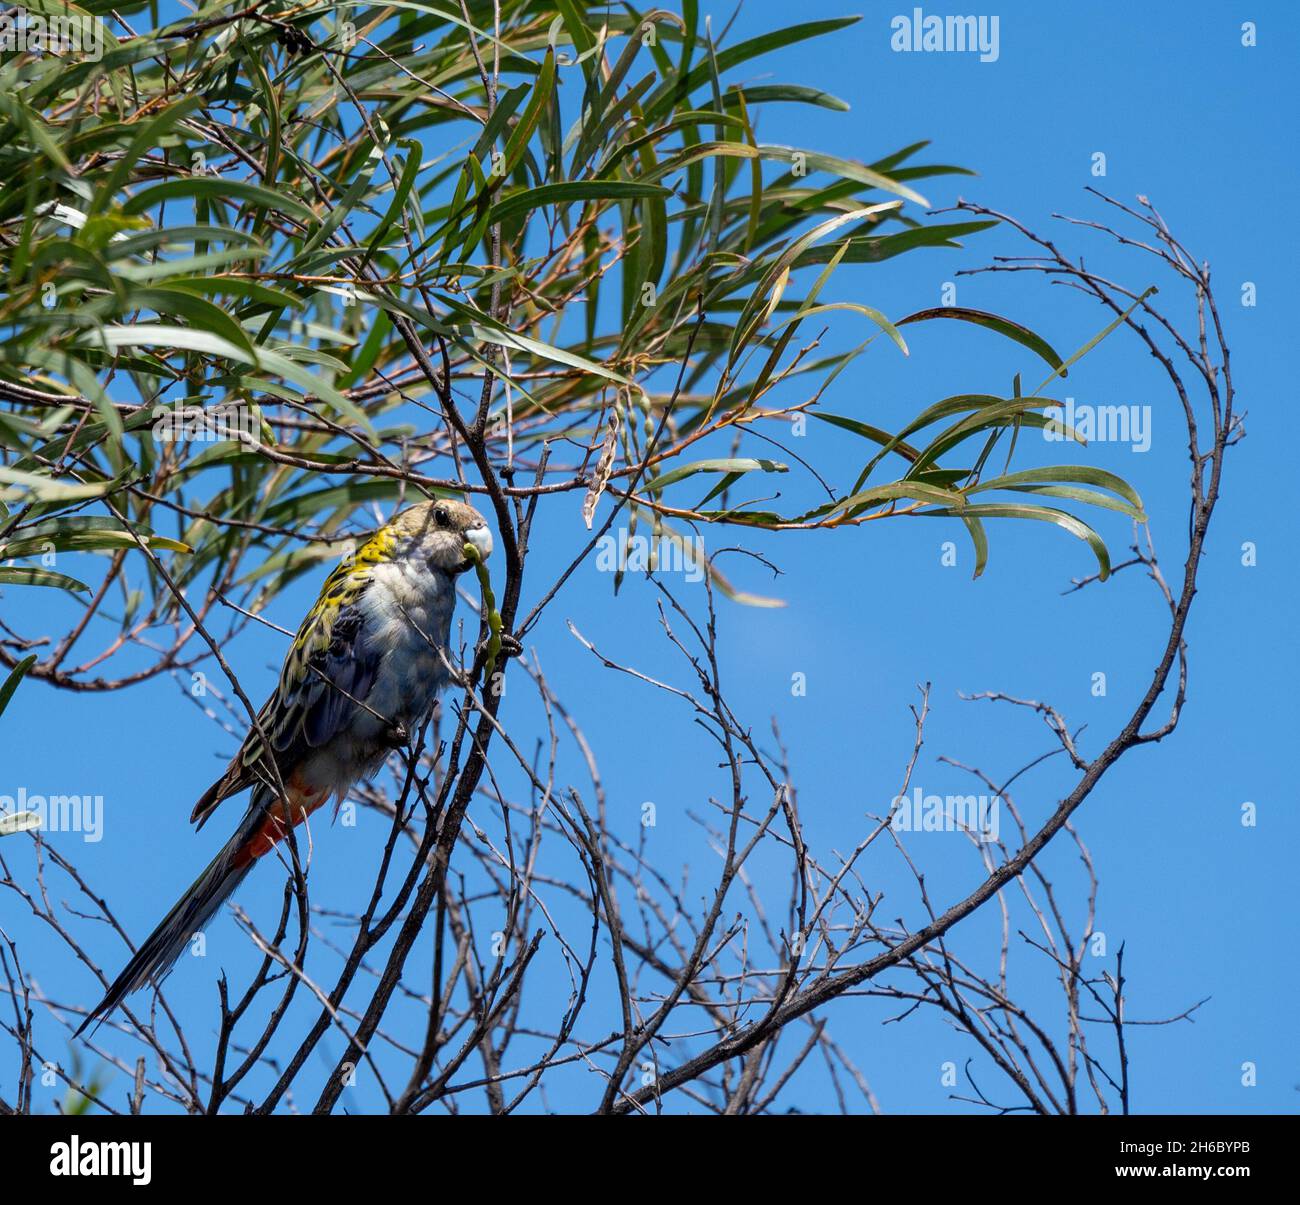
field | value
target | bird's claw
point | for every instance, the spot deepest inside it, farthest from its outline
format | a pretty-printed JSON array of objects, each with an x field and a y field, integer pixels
[
  {"x": 510, "y": 647},
  {"x": 398, "y": 736}
]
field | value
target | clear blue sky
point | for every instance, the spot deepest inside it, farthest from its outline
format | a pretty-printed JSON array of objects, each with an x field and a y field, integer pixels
[{"x": 1202, "y": 125}]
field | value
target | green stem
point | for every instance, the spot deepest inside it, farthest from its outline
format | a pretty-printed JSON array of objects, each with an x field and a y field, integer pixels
[{"x": 490, "y": 604}]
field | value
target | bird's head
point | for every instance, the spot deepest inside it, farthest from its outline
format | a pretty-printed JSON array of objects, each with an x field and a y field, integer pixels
[{"x": 439, "y": 531}]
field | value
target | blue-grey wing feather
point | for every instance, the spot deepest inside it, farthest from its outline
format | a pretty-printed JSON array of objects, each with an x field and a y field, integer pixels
[{"x": 339, "y": 678}]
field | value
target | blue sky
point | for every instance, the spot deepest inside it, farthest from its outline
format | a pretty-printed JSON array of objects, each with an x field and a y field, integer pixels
[{"x": 1206, "y": 907}]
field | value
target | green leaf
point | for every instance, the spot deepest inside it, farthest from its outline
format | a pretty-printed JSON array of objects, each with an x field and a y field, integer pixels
[
  {"x": 728, "y": 465},
  {"x": 410, "y": 170},
  {"x": 174, "y": 338},
  {"x": 895, "y": 491},
  {"x": 994, "y": 322},
  {"x": 211, "y": 189},
  {"x": 742, "y": 52},
  {"x": 979, "y": 538},
  {"x": 1045, "y": 514},
  {"x": 867, "y": 431},
  {"x": 46, "y": 489},
  {"x": 793, "y": 93},
  {"x": 1047, "y": 477},
  {"x": 1087, "y": 347},
  {"x": 16, "y": 675},
  {"x": 522, "y": 134},
  {"x": 21, "y": 575},
  {"x": 516, "y": 203}
]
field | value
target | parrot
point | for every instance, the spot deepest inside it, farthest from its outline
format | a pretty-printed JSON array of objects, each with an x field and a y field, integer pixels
[{"x": 364, "y": 672}]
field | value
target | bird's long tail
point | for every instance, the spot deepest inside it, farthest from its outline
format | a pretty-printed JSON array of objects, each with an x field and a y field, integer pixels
[{"x": 259, "y": 832}]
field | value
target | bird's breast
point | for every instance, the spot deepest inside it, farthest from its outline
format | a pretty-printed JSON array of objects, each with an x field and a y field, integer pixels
[
  {"x": 406, "y": 622},
  {"x": 408, "y": 612}
]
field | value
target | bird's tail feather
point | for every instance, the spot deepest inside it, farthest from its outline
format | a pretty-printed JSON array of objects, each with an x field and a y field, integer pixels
[{"x": 189, "y": 914}]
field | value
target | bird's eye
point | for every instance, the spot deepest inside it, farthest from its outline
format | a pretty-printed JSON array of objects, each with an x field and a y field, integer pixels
[{"x": 441, "y": 516}]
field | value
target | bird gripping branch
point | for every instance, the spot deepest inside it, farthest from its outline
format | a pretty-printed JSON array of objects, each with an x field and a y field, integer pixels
[{"x": 363, "y": 673}]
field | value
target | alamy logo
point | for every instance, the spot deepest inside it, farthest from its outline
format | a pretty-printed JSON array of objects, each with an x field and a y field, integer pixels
[
  {"x": 979, "y": 815},
  {"x": 90, "y": 1158},
  {"x": 953, "y": 34},
  {"x": 82, "y": 814},
  {"x": 200, "y": 424},
  {"x": 1101, "y": 424},
  {"x": 662, "y": 554},
  {"x": 78, "y": 34}
]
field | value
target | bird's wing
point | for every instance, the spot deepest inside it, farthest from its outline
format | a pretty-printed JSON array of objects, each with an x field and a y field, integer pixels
[
  {"x": 328, "y": 673},
  {"x": 339, "y": 676}
]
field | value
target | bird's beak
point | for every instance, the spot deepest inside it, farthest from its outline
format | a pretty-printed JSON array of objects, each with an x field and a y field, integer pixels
[{"x": 481, "y": 538}]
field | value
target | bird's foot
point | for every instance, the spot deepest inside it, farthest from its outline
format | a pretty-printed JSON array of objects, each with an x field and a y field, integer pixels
[{"x": 510, "y": 647}]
